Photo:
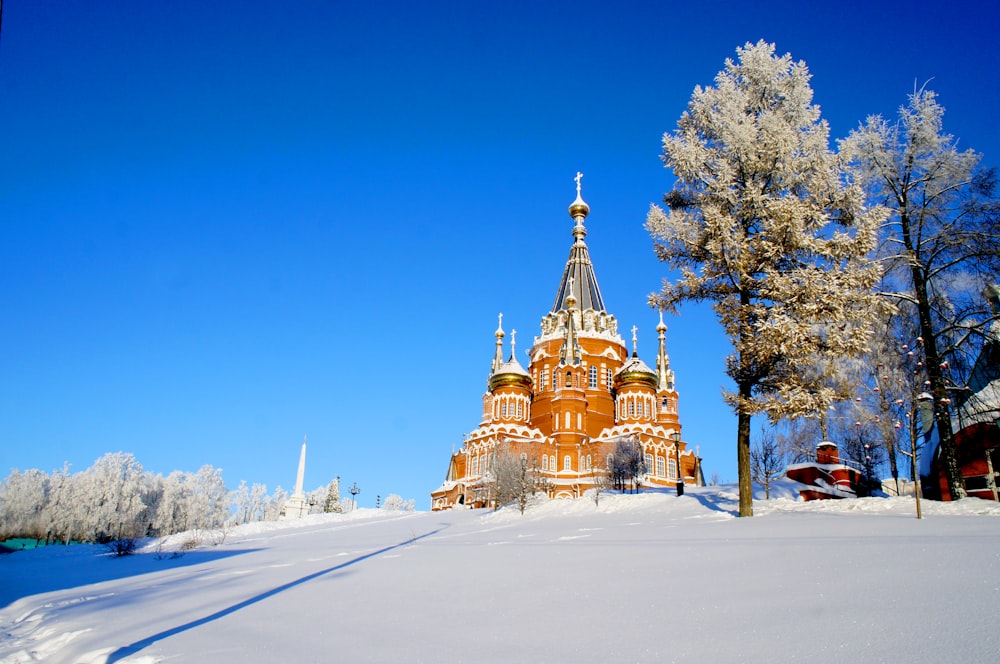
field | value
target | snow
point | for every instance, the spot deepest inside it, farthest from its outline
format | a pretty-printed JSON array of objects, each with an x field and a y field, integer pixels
[{"x": 638, "y": 578}]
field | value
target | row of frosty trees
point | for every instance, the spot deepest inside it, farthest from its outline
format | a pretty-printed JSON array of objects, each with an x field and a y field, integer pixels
[
  {"x": 115, "y": 500},
  {"x": 828, "y": 269}
]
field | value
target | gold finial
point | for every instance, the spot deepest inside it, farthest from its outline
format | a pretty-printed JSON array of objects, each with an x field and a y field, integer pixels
[{"x": 579, "y": 209}]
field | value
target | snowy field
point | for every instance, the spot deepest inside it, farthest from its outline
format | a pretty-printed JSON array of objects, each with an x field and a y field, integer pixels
[{"x": 645, "y": 578}]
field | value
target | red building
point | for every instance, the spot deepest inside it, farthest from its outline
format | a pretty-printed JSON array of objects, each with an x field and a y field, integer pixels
[
  {"x": 977, "y": 422},
  {"x": 827, "y": 477}
]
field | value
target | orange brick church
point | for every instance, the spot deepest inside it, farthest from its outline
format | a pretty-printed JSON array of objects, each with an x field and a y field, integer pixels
[{"x": 581, "y": 394}]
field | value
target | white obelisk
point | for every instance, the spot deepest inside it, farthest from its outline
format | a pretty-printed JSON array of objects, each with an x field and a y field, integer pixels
[{"x": 297, "y": 506}]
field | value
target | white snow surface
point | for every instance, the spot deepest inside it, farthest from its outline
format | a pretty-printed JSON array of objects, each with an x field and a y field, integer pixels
[{"x": 639, "y": 578}]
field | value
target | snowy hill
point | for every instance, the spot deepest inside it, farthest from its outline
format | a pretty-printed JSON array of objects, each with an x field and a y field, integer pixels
[{"x": 644, "y": 578}]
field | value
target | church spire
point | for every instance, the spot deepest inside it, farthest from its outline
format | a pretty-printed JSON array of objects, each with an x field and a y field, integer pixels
[
  {"x": 498, "y": 355},
  {"x": 570, "y": 349},
  {"x": 579, "y": 273},
  {"x": 664, "y": 375}
]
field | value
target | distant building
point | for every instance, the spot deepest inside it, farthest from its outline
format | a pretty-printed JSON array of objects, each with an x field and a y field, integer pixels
[
  {"x": 580, "y": 395},
  {"x": 977, "y": 424},
  {"x": 826, "y": 478}
]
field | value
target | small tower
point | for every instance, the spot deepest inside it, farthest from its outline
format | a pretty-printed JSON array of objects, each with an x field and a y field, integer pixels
[{"x": 510, "y": 389}]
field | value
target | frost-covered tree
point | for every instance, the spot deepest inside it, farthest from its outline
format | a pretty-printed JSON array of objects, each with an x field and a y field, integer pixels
[
  {"x": 940, "y": 243},
  {"x": 317, "y": 499},
  {"x": 23, "y": 500},
  {"x": 249, "y": 502},
  {"x": 332, "y": 504},
  {"x": 275, "y": 504},
  {"x": 209, "y": 499},
  {"x": 63, "y": 513},
  {"x": 766, "y": 463},
  {"x": 395, "y": 503},
  {"x": 510, "y": 479},
  {"x": 762, "y": 224},
  {"x": 113, "y": 496},
  {"x": 628, "y": 464}
]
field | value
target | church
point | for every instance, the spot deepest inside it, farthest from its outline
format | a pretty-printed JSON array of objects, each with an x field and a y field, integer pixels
[{"x": 581, "y": 395}]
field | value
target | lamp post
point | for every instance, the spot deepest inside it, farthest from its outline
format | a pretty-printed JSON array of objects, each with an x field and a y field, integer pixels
[
  {"x": 676, "y": 436},
  {"x": 354, "y": 490}
]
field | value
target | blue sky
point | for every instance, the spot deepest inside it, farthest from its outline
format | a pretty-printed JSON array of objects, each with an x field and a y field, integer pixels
[{"x": 226, "y": 225}]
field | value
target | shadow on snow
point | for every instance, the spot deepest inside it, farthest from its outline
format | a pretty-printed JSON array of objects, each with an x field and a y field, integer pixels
[
  {"x": 43, "y": 574},
  {"x": 131, "y": 649}
]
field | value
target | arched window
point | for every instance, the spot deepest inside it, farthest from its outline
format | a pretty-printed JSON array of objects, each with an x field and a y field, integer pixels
[
  {"x": 671, "y": 469},
  {"x": 541, "y": 379},
  {"x": 593, "y": 377},
  {"x": 567, "y": 462},
  {"x": 545, "y": 462},
  {"x": 569, "y": 379},
  {"x": 659, "y": 466},
  {"x": 649, "y": 463},
  {"x": 503, "y": 409},
  {"x": 520, "y": 410},
  {"x": 589, "y": 467},
  {"x": 631, "y": 409},
  {"x": 552, "y": 462}
]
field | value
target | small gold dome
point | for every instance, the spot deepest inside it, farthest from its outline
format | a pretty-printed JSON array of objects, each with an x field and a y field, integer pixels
[
  {"x": 635, "y": 371},
  {"x": 579, "y": 208}
]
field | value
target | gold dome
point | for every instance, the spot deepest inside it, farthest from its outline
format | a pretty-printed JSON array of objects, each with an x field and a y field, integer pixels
[{"x": 635, "y": 371}]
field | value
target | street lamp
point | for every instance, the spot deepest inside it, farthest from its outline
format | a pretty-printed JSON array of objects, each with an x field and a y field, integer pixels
[
  {"x": 354, "y": 490},
  {"x": 676, "y": 436}
]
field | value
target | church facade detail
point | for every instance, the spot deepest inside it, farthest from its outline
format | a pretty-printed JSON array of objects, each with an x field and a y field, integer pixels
[{"x": 581, "y": 394}]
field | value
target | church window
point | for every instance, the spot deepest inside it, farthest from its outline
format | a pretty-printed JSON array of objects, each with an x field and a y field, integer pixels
[
  {"x": 545, "y": 462},
  {"x": 520, "y": 410},
  {"x": 569, "y": 379},
  {"x": 579, "y": 420},
  {"x": 475, "y": 465},
  {"x": 541, "y": 380},
  {"x": 593, "y": 377},
  {"x": 649, "y": 463},
  {"x": 567, "y": 420},
  {"x": 524, "y": 459},
  {"x": 503, "y": 409},
  {"x": 552, "y": 462},
  {"x": 631, "y": 409},
  {"x": 567, "y": 462},
  {"x": 609, "y": 461},
  {"x": 588, "y": 462},
  {"x": 671, "y": 469},
  {"x": 664, "y": 402},
  {"x": 607, "y": 378},
  {"x": 645, "y": 409},
  {"x": 659, "y": 466}
]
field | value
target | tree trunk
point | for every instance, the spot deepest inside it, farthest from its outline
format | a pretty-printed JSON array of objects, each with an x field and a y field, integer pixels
[
  {"x": 939, "y": 392},
  {"x": 743, "y": 452}
]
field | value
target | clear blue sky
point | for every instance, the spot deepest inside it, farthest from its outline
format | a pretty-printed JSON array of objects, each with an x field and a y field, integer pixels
[{"x": 226, "y": 225}]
